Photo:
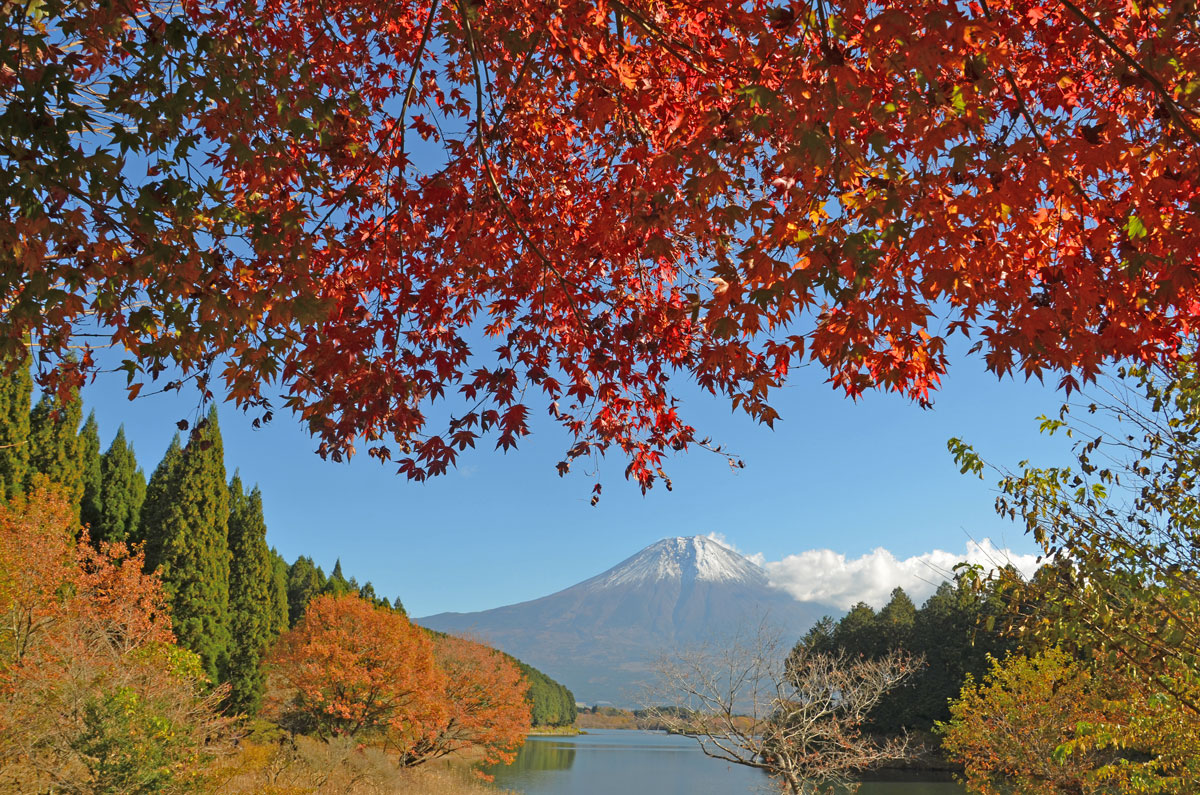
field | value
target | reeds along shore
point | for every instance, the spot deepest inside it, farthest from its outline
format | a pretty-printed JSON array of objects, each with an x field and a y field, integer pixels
[{"x": 305, "y": 766}]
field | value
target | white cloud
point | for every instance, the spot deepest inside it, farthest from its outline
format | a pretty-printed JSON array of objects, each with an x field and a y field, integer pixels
[
  {"x": 822, "y": 575},
  {"x": 758, "y": 558},
  {"x": 723, "y": 541}
]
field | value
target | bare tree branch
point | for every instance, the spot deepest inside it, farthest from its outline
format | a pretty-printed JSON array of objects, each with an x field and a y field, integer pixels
[{"x": 797, "y": 716}]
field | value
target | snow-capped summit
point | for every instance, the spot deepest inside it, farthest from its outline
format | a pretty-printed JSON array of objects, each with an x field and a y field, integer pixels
[
  {"x": 694, "y": 558},
  {"x": 599, "y": 637}
]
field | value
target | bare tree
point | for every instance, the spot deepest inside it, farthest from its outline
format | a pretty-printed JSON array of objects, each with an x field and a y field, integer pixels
[{"x": 797, "y": 716}]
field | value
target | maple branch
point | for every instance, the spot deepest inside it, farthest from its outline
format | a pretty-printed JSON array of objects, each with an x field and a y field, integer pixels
[
  {"x": 658, "y": 33},
  {"x": 1028, "y": 116},
  {"x": 480, "y": 129},
  {"x": 537, "y": 39},
  {"x": 408, "y": 92},
  {"x": 1172, "y": 106}
]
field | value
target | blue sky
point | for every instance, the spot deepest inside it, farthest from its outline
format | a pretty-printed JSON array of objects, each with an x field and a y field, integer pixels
[{"x": 834, "y": 474}]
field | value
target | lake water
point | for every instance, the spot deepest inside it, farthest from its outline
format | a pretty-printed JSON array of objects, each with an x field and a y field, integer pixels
[{"x": 649, "y": 763}]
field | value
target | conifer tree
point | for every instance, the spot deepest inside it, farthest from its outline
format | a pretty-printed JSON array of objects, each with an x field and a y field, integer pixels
[
  {"x": 54, "y": 445},
  {"x": 161, "y": 492},
  {"x": 88, "y": 446},
  {"x": 896, "y": 620},
  {"x": 305, "y": 581},
  {"x": 337, "y": 585},
  {"x": 251, "y": 598},
  {"x": 122, "y": 492},
  {"x": 367, "y": 593},
  {"x": 279, "y": 594},
  {"x": 16, "y": 395},
  {"x": 194, "y": 551}
]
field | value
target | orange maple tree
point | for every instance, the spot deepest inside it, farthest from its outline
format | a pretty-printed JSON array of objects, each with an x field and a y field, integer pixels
[
  {"x": 352, "y": 669},
  {"x": 48, "y": 580},
  {"x": 486, "y": 705},
  {"x": 371, "y": 207},
  {"x": 94, "y": 695}
]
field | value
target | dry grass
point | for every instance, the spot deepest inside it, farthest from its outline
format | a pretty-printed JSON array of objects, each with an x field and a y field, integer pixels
[{"x": 280, "y": 765}]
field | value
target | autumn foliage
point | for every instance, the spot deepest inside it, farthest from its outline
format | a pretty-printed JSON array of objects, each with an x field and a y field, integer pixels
[
  {"x": 1051, "y": 723},
  {"x": 353, "y": 669},
  {"x": 94, "y": 695},
  {"x": 486, "y": 705},
  {"x": 521, "y": 204}
]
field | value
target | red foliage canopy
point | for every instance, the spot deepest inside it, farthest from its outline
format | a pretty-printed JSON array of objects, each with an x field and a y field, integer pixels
[{"x": 371, "y": 206}]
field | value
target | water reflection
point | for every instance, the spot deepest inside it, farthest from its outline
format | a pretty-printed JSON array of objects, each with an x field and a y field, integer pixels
[
  {"x": 644, "y": 763},
  {"x": 540, "y": 754}
]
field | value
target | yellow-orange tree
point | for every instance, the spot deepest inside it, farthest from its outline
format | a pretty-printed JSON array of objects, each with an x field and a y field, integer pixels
[
  {"x": 1006, "y": 729},
  {"x": 339, "y": 200},
  {"x": 94, "y": 695},
  {"x": 485, "y": 700},
  {"x": 1051, "y": 723},
  {"x": 353, "y": 669}
]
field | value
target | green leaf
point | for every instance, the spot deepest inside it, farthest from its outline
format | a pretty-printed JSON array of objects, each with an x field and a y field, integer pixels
[
  {"x": 958, "y": 100},
  {"x": 1134, "y": 228}
]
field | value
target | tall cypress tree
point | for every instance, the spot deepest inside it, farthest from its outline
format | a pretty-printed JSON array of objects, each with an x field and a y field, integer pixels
[
  {"x": 251, "y": 598},
  {"x": 88, "y": 446},
  {"x": 16, "y": 395},
  {"x": 54, "y": 444},
  {"x": 194, "y": 561},
  {"x": 161, "y": 492},
  {"x": 122, "y": 492},
  {"x": 279, "y": 593}
]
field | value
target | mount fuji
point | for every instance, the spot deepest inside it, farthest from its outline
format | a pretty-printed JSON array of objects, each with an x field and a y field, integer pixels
[{"x": 600, "y": 637}]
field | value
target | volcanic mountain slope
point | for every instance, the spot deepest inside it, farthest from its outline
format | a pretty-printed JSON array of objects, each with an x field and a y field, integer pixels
[{"x": 600, "y": 637}]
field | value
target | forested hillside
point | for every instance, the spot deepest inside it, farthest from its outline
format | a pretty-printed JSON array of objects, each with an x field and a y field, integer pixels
[{"x": 553, "y": 704}]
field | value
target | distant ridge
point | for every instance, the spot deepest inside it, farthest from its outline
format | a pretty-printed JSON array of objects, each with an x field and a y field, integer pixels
[{"x": 600, "y": 637}]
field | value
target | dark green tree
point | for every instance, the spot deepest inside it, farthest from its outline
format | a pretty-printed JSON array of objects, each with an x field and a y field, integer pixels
[
  {"x": 122, "y": 492},
  {"x": 279, "y": 593},
  {"x": 305, "y": 581},
  {"x": 161, "y": 492},
  {"x": 896, "y": 620},
  {"x": 895, "y": 625},
  {"x": 857, "y": 634},
  {"x": 54, "y": 444},
  {"x": 337, "y": 584},
  {"x": 957, "y": 630},
  {"x": 88, "y": 446},
  {"x": 251, "y": 600},
  {"x": 16, "y": 395},
  {"x": 820, "y": 637},
  {"x": 194, "y": 547}
]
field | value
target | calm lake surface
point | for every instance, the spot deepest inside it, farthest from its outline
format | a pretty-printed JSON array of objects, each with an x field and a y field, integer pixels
[{"x": 648, "y": 763}]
